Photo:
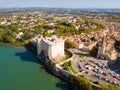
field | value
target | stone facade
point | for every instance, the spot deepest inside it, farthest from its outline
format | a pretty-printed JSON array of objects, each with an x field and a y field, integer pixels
[
  {"x": 50, "y": 47},
  {"x": 106, "y": 49}
]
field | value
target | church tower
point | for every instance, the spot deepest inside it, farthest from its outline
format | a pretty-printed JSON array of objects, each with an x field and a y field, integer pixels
[{"x": 101, "y": 47}]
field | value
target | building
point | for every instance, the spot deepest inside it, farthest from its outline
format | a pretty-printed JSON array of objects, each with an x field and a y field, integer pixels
[
  {"x": 50, "y": 47},
  {"x": 106, "y": 49},
  {"x": 80, "y": 45},
  {"x": 101, "y": 49},
  {"x": 89, "y": 46}
]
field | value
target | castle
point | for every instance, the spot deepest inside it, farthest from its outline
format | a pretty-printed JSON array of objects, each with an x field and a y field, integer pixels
[
  {"x": 106, "y": 49},
  {"x": 50, "y": 47}
]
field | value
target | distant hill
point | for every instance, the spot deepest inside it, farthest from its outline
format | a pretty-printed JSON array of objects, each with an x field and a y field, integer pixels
[{"x": 58, "y": 10}]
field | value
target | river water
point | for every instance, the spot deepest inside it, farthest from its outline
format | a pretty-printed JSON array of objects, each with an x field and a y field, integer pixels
[{"x": 20, "y": 70}]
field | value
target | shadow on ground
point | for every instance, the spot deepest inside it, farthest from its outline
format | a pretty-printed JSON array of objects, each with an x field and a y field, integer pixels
[{"x": 114, "y": 67}]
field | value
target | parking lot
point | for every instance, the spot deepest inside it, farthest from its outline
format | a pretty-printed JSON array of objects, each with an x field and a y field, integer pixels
[{"x": 97, "y": 70}]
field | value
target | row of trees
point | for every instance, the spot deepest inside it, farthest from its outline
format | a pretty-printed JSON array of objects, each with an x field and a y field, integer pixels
[
  {"x": 42, "y": 29},
  {"x": 64, "y": 28},
  {"x": 81, "y": 83},
  {"x": 67, "y": 29},
  {"x": 8, "y": 35}
]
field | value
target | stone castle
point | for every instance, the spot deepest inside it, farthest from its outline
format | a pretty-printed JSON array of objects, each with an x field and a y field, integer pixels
[{"x": 50, "y": 47}]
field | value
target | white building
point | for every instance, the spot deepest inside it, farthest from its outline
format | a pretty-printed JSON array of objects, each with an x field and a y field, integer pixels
[
  {"x": 50, "y": 47},
  {"x": 81, "y": 45},
  {"x": 19, "y": 35}
]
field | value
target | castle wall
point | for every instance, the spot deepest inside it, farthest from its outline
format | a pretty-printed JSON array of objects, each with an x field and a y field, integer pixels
[
  {"x": 51, "y": 50},
  {"x": 45, "y": 49},
  {"x": 39, "y": 46},
  {"x": 57, "y": 50}
]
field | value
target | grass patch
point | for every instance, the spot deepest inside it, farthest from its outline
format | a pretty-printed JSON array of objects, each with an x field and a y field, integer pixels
[
  {"x": 67, "y": 56},
  {"x": 72, "y": 69},
  {"x": 87, "y": 53},
  {"x": 68, "y": 67},
  {"x": 81, "y": 56}
]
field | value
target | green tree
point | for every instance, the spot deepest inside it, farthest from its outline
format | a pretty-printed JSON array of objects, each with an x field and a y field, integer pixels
[
  {"x": 46, "y": 34},
  {"x": 69, "y": 44},
  {"x": 27, "y": 35},
  {"x": 79, "y": 83},
  {"x": 94, "y": 51}
]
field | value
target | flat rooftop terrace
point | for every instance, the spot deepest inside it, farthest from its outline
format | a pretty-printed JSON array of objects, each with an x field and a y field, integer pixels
[{"x": 52, "y": 40}]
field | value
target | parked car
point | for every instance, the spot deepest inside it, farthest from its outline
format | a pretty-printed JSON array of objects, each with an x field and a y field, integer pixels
[
  {"x": 87, "y": 72},
  {"x": 104, "y": 74},
  {"x": 81, "y": 70}
]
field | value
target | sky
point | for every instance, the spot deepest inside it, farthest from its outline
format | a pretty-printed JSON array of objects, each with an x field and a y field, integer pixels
[{"x": 61, "y": 3}]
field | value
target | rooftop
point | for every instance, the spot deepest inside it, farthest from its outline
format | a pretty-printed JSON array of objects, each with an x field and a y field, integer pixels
[{"x": 52, "y": 40}]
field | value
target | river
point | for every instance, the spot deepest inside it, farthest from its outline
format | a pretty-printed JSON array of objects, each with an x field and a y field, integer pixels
[{"x": 20, "y": 70}]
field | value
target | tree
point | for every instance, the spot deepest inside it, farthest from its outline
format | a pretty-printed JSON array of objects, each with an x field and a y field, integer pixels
[
  {"x": 27, "y": 35},
  {"x": 39, "y": 29},
  {"x": 94, "y": 51},
  {"x": 46, "y": 34},
  {"x": 69, "y": 44},
  {"x": 79, "y": 83}
]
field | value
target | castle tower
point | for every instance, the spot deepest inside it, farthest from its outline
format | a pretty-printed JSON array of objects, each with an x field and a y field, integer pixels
[
  {"x": 38, "y": 46},
  {"x": 104, "y": 43},
  {"x": 51, "y": 47}
]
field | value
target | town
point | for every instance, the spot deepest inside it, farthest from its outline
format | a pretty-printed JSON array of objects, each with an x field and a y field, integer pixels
[{"x": 77, "y": 44}]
